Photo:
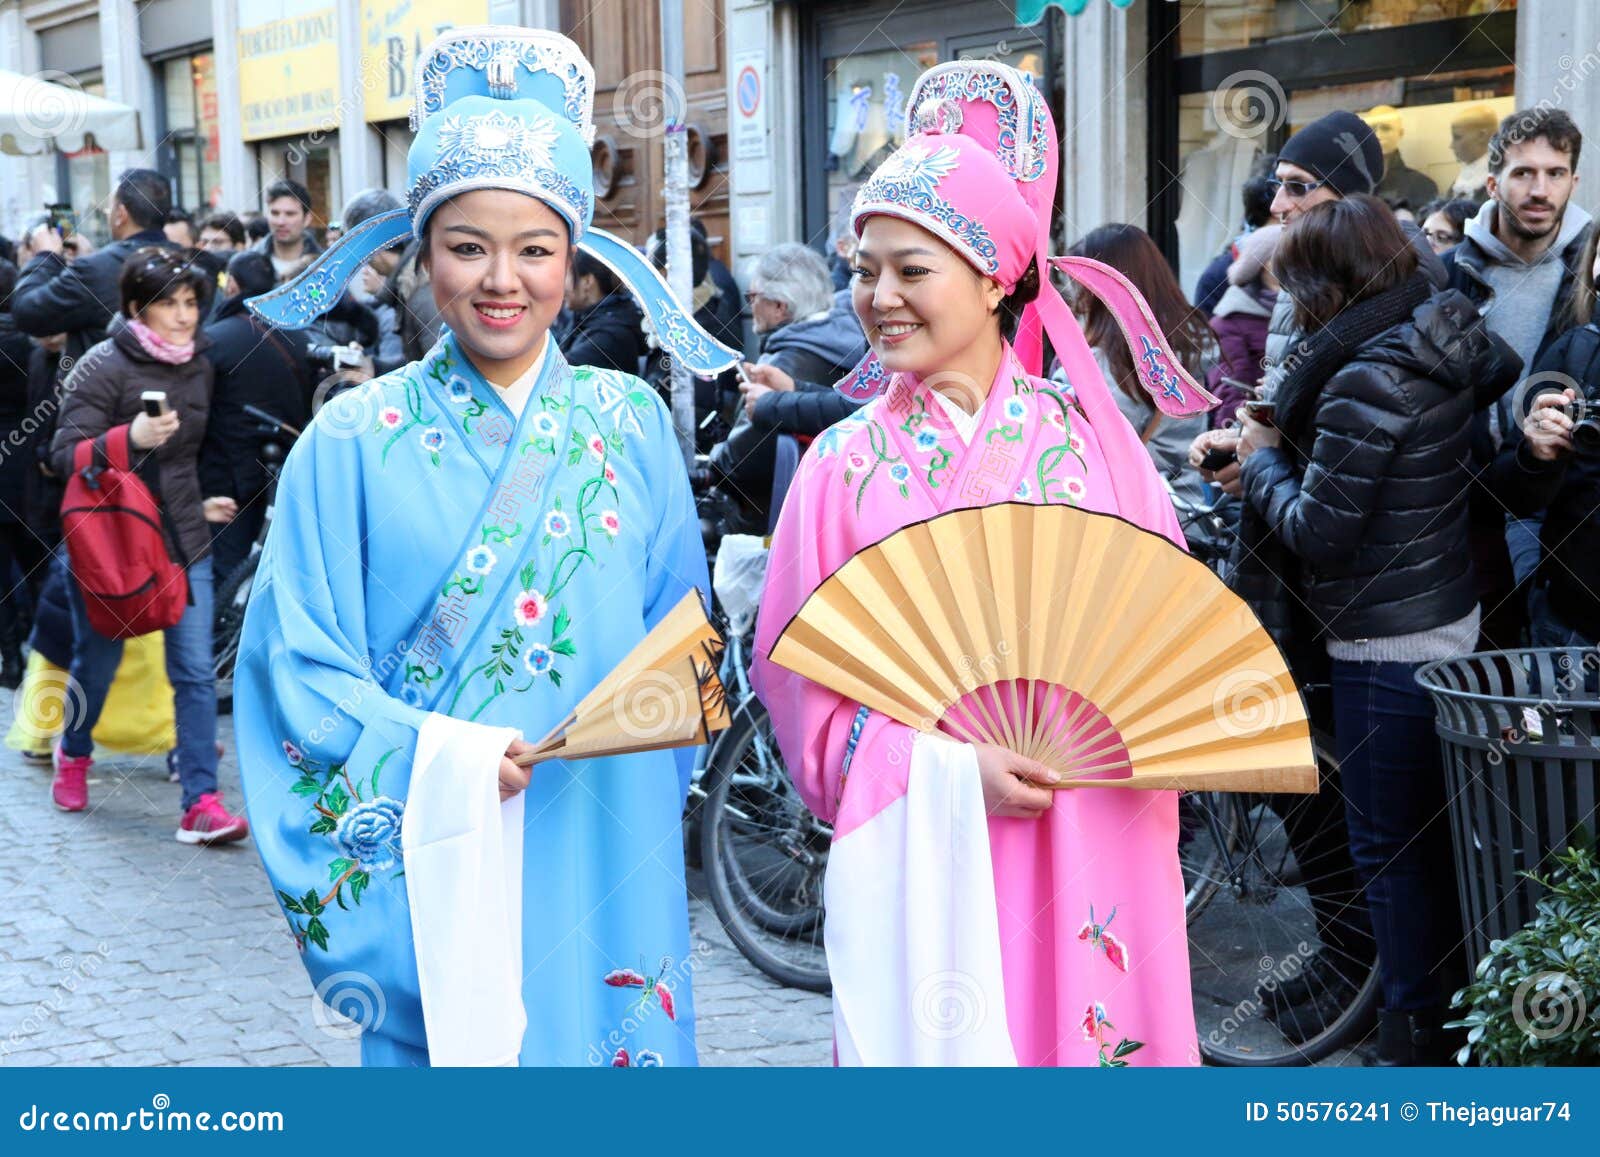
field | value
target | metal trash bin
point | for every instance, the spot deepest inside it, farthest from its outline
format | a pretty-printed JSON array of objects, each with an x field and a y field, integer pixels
[{"x": 1522, "y": 764}]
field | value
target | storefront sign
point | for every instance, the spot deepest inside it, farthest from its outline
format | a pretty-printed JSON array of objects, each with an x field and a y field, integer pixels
[
  {"x": 749, "y": 102},
  {"x": 393, "y": 35},
  {"x": 289, "y": 68}
]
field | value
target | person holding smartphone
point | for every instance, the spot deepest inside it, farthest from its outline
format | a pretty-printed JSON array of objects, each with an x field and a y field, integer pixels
[
  {"x": 1356, "y": 513},
  {"x": 146, "y": 376}
]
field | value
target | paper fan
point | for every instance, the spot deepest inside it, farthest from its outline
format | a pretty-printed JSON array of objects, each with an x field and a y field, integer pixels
[
  {"x": 664, "y": 693},
  {"x": 1076, "y": 639}
]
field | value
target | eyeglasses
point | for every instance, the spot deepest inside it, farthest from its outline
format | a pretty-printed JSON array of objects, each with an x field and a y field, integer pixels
[{"x": 1295, "y": 189}]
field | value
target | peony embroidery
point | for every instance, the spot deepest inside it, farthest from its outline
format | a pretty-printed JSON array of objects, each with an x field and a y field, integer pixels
[
  {"x": 610, "y": 522},
  {"x": 391, "y": 417},
  {"x": 538, "y": 659},
  {"x": 481, "y": 560},
  {"x": 292, "y": 754},
  {"x": 530, "y": 608},
  {"x": 459, "y": 389},
  {"x": 556, "y": 525},
  {"x": 370, "y": 832},
  {"x": 1096, "y": 1024}
]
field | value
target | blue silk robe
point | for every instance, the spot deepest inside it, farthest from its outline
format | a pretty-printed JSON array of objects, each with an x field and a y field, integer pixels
[{"x": 430, "y": 552}]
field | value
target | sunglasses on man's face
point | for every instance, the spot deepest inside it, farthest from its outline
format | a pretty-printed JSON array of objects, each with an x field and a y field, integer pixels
[{"x": 1295, "y": 189}]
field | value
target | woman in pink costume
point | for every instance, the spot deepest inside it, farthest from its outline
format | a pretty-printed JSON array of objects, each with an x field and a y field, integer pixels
[{"x": 974, "y": 917}]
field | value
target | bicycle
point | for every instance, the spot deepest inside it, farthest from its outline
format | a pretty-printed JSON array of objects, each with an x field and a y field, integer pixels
[
  {"x": 233, "y": 593},
  {"x": 1283, "y": 971},
  {"x": 763, "y": 852}
]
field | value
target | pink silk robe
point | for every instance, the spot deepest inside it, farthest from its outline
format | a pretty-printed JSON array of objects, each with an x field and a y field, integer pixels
[{"x": 1074, "y": 989}]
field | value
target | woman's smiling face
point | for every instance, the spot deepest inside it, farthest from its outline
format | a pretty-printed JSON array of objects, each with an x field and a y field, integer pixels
[
  {"x": 919, "y": 302},
  {"x": 497, "y": 261}
]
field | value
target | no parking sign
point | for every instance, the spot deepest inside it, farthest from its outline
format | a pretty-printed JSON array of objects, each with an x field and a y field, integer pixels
[{"x": 749, "y": 105}]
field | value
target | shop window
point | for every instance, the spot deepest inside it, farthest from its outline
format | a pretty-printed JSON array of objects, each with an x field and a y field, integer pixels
[{"x": 189, "y": 93}]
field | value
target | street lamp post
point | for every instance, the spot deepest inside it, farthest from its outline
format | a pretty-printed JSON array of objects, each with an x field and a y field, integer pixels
[{"x": 675, "y": 194}]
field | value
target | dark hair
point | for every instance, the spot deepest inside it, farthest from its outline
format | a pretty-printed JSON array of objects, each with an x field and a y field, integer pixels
[
  {"x": 1550, "y": 125},
  {"x": 253, "y": 272},
  {"x": 1338, "y": 253},
  {"x": 699, "y": 251},
  {"x": 1129, "y": 250},
  {"x": 155, "y": 272},
  {"x": 256, "y": 228},
  {"x": 1021, "y": 296},
  {"x": 8, "y": 282},
  {"x": 146, "y": 196},
  {"x": 287, "y": 188},
  {"x": 178, "y": 215},
  {"x": 1458, "y": 210},
  {"x": 226, "y": 223},
  {"x": 584, "y": 265},
  {"x": 1257, "y": 194}
]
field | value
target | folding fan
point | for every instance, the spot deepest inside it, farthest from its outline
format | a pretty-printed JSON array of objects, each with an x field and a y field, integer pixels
[
  {"x": 1077, "y": 639},
  {"x": 664, "y": 693}
]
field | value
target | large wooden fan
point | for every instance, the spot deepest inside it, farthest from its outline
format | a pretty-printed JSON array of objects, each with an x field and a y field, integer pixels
[
  {"x": 1076, "y": 639},
  {"x": 664, "y": 693}
]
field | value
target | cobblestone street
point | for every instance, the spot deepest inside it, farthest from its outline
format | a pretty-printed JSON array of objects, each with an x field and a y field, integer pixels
[{"x": 120, "y": 946}]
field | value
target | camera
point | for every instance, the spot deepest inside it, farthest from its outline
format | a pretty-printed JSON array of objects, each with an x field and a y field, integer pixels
[
  {"x": 1585, "y": 415},
  {"x": 336, "y": 357}
]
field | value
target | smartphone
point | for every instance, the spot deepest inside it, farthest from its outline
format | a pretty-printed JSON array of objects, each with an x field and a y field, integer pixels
[
  {"x": 1263, "y": 412},
  {"x": 155, "y": 403},
  {"x": 1216, "y": 458}
]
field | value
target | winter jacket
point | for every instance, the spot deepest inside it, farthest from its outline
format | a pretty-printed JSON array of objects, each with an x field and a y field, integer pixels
[
  {"x": 16, "y": 456},
  {"x": 1567, "y": 490},
  {"x": 609, "y": 334},
  {"x": 44, "y": 404},
  {"x": 1375, "y": 509},
  {"x": 102, "y": 392},
  {"x": 78, "y": 298},
  {"x": 255, "y": 365},
  {"x": 416, "y": 314}
]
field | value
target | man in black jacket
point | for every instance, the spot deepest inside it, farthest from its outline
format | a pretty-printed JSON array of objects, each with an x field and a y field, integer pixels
[
  {"x": 81, "y": 298},
  {"x": 256, "y": 365},
  {"x": 607, "y": 327}
]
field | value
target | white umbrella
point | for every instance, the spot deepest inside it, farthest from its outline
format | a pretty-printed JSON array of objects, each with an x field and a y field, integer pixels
[{"x": 50, "y": 111}]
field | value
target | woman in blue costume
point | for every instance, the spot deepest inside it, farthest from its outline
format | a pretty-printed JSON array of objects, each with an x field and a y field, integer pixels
[{"x": 460, "y": 550}]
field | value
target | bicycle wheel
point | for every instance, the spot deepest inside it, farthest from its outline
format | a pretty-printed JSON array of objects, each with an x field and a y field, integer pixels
[
  {"x": 227, "y": 620},
  {"x": 1282, "y": 962},
  {"x": 764, "y": 856},
  {"x": 1207, "y": 833}
]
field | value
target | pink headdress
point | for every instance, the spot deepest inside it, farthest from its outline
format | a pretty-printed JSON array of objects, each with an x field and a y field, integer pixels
[{"x": 978, "y": 170}]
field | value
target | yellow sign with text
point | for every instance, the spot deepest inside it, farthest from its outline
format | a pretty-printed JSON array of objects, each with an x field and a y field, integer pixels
[
  {"x": 393, "y": 35},
  {"x": 288, "y": 68}
]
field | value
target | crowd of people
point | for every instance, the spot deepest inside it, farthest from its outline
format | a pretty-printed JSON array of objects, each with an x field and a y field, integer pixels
[{"x": 1395, "y": 498}]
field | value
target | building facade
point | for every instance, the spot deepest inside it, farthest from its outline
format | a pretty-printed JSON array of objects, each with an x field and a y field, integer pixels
[
  {"x": 233, "y": 94},
  {"x": 1164, "y": 107}
]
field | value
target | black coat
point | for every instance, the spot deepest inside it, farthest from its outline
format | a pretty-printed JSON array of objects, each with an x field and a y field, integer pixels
[
  {"x": 807, "y": 410},
  {"x": 1567, "y": 490},
  {"x": 258, "y": 366},
  {"x": 609, "y": 335},
  {"x": 44, "y": 404},
  {"x": 16, "y": 434},
  {"x": 78, "y": 299},
  {"x": 1373, "y": 503}
]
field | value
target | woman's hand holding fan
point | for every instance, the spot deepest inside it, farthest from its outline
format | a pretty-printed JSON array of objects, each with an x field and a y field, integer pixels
[
  {"x": 1013, "y": 785},
  {"x": 1076, "y": 641}
]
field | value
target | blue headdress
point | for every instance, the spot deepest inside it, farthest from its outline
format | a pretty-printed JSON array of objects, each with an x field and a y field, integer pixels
[{"x": 499, "y": 108}]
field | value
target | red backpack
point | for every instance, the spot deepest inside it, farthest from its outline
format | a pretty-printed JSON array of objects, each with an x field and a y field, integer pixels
[{"x": 112, "y": 526}]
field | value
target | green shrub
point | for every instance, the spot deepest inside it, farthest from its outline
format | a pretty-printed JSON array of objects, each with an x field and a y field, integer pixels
[{"x": 1536, "y": 999}]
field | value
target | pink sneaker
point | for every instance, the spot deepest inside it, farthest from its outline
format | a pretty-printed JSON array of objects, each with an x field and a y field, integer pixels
[
  {"x": 70, "y": 788},
  {"x": 208, "y": 822}
]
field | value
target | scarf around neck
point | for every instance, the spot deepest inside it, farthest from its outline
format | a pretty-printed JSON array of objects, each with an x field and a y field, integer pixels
[
  {"x": 159, "y": 347},
  {"x": 1315, "y": 357}
]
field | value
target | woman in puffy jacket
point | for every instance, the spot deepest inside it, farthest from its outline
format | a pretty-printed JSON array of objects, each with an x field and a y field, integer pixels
[{"x": 1357, "y": 494}]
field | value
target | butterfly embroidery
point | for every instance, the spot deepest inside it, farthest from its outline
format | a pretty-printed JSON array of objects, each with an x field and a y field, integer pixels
[
  {"x": 652, "y": 985},
  {"x": 1099, "y": 938}
]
